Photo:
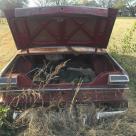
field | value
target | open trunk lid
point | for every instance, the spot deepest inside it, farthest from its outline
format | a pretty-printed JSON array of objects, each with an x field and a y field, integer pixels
[{"x": 61, "y": 26}]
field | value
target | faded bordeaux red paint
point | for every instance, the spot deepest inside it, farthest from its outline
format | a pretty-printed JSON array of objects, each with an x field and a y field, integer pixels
[{"x": 66, "y": 31}]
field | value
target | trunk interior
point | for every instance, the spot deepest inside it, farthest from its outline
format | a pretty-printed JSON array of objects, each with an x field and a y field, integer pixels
[{"x": 61, "y": 68}]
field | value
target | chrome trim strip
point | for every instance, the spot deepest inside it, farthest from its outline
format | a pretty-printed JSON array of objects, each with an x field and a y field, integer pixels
[
  {"x": 81, "y": 89},
  {"x": 64, "y": 49},
  {"x": 66, "y": 89},
  {"x": 8, "y": 84}
]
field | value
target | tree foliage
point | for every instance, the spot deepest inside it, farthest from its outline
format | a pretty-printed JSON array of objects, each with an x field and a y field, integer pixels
[
  {"x": 91, "y": 3},
  {"x": 119, "y": 4},
  {"x": 105, "y": 3},
  {"x": 123, "y": 5},
  {"x": 43, "y": 3},
  {"x": 5, "y": 4},
  {"x": 131, "y": 6}
]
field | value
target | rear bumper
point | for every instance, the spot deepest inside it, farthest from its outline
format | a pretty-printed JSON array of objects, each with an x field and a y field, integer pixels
[{"x": 100, "y": 115}]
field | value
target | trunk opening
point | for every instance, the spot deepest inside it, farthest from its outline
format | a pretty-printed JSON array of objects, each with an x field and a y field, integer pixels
[{"x": 85, "y": 67}]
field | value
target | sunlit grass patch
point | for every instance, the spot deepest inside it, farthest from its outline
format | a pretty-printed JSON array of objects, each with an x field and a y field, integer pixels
[
  {"x": 121, "y": 27},
  {"x": 7, "y": 46}
]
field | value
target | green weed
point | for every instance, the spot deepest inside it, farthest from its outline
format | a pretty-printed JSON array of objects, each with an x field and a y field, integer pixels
[{"x": 3, "y": 114}]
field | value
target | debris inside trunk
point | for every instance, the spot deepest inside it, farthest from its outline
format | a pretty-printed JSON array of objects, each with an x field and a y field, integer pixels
[
  {"x": 67, "y": 75},
  {"x": 73, "y": 70},
  {"x": 77, "y": 66}
]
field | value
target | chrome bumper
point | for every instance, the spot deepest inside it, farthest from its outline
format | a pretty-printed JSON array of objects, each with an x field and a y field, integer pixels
[{"x": 100, "y": 115}]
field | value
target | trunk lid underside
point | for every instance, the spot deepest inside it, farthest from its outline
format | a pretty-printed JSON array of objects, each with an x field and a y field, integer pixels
[{"x": 61, "y": 26}]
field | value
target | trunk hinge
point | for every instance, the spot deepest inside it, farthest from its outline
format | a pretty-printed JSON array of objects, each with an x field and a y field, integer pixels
[
  {"x": 96, "y": 49},
  {"x": 27, "y": 51}
]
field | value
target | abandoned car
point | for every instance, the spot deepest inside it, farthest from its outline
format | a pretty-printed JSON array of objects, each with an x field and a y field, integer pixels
[{"x": 60, "y": 49}]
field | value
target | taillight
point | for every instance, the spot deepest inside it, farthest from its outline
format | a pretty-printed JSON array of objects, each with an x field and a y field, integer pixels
[
  {"x": 7, "y": 81},
  {"x": 118, "y": 79}
]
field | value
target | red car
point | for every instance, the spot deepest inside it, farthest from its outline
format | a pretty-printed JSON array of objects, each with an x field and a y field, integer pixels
[{"x": 61, "y": 50}]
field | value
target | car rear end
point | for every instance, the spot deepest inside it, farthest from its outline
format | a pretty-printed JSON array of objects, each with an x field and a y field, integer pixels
[{"x": 67, "y": 47}]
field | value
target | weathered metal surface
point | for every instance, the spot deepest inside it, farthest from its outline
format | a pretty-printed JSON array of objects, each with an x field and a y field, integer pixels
[
  {"x": 74, "y": 10},
  {"x": 61, "y": 26},
  {"x": 98, "y": 97}
]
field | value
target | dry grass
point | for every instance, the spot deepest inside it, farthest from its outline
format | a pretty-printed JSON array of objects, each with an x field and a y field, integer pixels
[
  {"x": 55, "y": 120},
  {"x": 32, "y": 96},
  {"x": 50, "y": 123},
  {"x": 41, "y": 122}
]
